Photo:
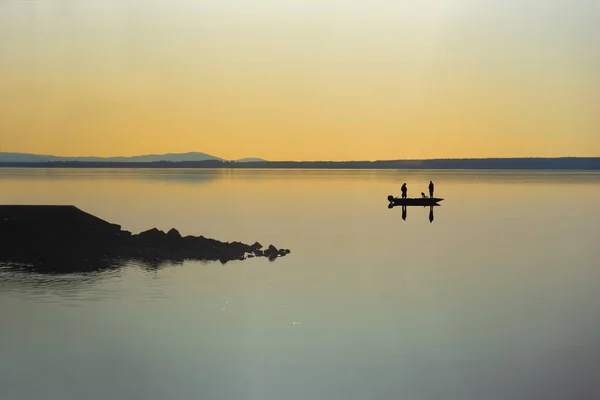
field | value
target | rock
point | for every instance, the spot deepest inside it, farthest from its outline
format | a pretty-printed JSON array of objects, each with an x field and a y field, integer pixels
[
  {"x": 57, "y": 236},
  {"x": 240, "y": 247},
  {"x": 174, "y": 234},
  {"x": 271, "y": 251},
  {"x": 152, "y": 237}
]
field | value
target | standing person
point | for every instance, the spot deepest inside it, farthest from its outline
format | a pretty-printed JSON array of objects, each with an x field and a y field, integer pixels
[
  {"x": 404, "y": 190},
  {"x": 431, "y": 189}
]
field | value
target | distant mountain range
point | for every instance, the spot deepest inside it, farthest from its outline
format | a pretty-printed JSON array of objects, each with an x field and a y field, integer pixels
[
  {"x": 37, "y": 158},
  {"x": 201, "y": 160}
]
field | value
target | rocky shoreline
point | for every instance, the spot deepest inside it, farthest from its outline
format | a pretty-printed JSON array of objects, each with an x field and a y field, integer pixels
[
  {"x": 156, "y": 244},
  {"x": 51, "y": 235}
]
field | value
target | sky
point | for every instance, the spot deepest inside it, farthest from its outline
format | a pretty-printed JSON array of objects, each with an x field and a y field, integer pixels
[{"x": 301, "y": 79}]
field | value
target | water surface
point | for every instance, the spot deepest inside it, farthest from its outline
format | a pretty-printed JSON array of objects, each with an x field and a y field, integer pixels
[{"x": 495, "y": 299}]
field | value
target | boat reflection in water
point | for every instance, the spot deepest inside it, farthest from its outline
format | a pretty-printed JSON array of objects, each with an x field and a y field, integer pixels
[
  {"x": 407, "y": 202},
  {"x": 404, "y": 211}
]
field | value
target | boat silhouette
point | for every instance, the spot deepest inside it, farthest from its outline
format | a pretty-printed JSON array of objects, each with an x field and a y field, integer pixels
[{"x": 423, "y": 201}]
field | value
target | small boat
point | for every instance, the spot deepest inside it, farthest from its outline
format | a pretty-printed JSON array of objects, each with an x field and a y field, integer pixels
[{"x": 423, "y": 201}]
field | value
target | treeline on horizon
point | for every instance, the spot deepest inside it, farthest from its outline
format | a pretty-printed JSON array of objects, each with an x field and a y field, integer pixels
[{"x": 568, "y": 163}]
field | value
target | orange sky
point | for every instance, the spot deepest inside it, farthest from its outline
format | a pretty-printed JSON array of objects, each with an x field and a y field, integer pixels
[{"x": 301, "y": 80}]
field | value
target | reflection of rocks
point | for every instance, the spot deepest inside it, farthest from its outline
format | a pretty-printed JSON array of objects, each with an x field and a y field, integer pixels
[{"x": 45, "y": 235}]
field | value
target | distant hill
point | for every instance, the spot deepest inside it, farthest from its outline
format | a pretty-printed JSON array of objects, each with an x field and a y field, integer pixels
[
  {"x": 159, "y": 157},
  {"x": 246, "y": 160},
  {"x": 19, "y": 157},
  {"x": 183, "y": 157}
]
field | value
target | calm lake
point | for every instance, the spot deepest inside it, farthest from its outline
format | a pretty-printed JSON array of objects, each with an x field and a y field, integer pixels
[{"x": 496, "y": 298}]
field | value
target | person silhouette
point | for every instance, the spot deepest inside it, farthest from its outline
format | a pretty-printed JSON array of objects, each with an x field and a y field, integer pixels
[
  {"x": 431, "y": 189},
  {"x": 430, "y": 214},
  {"x": 404, "y": 190}
]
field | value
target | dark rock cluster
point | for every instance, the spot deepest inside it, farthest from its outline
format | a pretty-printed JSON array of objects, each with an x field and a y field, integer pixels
[
  {"x": 157, "y": 244},
  {"x": 56, "y": 235}
]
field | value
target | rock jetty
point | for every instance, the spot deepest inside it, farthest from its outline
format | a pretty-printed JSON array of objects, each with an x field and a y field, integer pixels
[{"x": 49, "y": 235}]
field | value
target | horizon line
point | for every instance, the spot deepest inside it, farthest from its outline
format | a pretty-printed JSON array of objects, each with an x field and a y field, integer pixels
[{"x": 221, "y": 159}]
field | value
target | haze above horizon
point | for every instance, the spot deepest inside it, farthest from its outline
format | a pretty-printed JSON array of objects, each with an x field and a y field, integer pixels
[{"x": 311, "y": 80}]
